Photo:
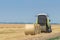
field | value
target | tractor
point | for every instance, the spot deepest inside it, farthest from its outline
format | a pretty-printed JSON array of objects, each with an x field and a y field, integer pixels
[{"x": 42, "y": 25}]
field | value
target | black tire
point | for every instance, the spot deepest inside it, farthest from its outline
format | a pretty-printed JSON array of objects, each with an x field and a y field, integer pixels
[{"x": 48, "y": 29}]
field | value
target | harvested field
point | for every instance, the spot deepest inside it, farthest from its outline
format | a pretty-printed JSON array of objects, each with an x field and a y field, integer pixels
[{"x": 16, "y": 32}]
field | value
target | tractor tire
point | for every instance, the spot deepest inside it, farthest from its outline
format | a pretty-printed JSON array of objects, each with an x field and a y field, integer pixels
[{"x": 49, "y": 30}]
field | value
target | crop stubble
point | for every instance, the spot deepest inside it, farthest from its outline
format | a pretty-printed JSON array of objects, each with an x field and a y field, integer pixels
[{"x": 16, "y": 32}]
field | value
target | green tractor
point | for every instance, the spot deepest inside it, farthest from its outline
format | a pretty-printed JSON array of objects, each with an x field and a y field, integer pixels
[
  {"x": 42, "y": 25},
  {"x": 44, "y": 21}
]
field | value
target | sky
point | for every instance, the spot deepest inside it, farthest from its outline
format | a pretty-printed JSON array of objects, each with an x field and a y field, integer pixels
[{"x": 26, "y": 10}]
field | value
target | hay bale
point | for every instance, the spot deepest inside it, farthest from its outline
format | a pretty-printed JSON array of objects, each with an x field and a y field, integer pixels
[{"x": 32, "y": 29}]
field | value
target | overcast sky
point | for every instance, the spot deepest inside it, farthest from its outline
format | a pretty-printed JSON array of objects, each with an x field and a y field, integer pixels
[{"x": 25, "y": 10}]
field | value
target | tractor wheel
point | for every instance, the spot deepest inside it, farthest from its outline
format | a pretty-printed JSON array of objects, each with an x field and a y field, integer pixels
[{"x": 49, "y": 30}]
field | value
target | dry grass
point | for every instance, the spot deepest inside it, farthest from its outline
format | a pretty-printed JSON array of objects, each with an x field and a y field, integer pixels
[
  {"x": 12, "y": 25},
  {"x": 10, "y": 31},
  {"x": 16, "y": 32}
]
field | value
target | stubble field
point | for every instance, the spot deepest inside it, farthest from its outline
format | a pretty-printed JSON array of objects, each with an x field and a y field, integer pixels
[{"x": 16, "y": 32}]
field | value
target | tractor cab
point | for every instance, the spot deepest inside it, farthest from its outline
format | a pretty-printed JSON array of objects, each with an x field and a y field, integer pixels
[{"x": 44, "y": 21}]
